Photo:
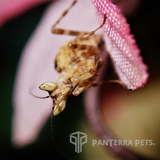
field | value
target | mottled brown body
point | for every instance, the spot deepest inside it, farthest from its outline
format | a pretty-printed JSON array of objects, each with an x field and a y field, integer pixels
[
  {"x": 78, "y": 69},
  {"x": 78, "y": 62}
]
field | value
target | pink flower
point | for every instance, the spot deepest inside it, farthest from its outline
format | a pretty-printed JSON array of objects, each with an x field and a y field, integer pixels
[
  {"x": 128, "y": 63},
  {"x": 36, "y": 64}
]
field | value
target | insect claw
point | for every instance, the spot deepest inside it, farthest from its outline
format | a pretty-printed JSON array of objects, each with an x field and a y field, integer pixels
[
  {"x": 48, "y": 86},
  {"x": 59, "y": 107}
]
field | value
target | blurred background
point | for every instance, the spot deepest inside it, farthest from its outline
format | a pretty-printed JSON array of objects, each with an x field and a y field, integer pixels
[{"x": 145, "y": 25}]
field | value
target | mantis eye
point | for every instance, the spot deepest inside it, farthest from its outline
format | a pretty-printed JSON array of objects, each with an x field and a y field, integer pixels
[
  {"x": 48, "y": 86},
  {"x": 59, "y": 107}
]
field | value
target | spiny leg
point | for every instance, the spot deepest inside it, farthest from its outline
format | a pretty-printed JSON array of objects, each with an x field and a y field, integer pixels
[
  {"x": 86, "y": 36},
  {"x": 68, "y": 32},
  {"x": 109, "y": 81},
  {"x": 75, "y": 45},
  {"x": 84, "y": 47},
  {"x": 64, "y": 13},
  {"x": 63, "y": 31}
]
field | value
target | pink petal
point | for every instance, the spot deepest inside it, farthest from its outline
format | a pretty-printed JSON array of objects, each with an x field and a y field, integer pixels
[
  {"x": 117, "y": 27},
  {"x": 12, "y": 8},
  {"x": 37, "y": 66},
  {"x": 93, "y": 100},
  {"x": 124, "y": 51}
]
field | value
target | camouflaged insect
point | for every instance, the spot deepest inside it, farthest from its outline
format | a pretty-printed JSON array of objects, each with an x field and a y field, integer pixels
[{"x": 78, "y": 62}]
